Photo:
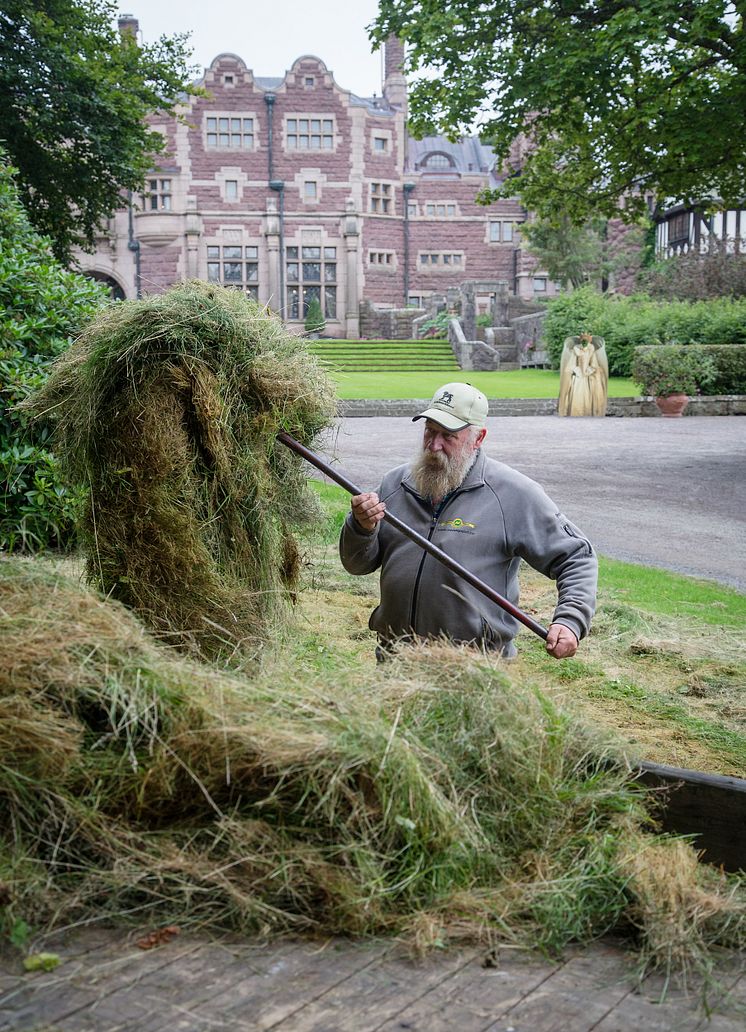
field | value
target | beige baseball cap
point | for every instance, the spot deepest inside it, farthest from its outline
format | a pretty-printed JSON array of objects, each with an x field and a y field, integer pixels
[{"x": 455, "y": 406}]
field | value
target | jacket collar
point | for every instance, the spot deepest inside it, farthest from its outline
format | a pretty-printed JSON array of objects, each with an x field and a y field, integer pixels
[{"x": 473, "y": 479}]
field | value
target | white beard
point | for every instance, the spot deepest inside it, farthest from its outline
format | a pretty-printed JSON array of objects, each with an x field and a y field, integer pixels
[{"x": 435, "y": 474}]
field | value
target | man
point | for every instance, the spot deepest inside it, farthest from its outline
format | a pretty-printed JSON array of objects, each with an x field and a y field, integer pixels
[{"x": 485, "y": 515}]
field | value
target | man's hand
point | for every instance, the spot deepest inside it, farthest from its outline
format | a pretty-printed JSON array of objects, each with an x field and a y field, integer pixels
[
  {"x": 367, "y": 510},
  {"x": 561, "y": 642}
]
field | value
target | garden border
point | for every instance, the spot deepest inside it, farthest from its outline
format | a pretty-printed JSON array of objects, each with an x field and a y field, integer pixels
[{"x": 715, "y": 405}]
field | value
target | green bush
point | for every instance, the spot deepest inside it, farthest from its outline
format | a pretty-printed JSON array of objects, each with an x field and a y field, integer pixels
[
  {"x": 437, "y": 326},
  {"x": 315, "y": 322},
  {"x": 42, "y": 306},
  {"x": 673, "y": 369},
  {"x": 629, "y": 322},
  {"x": 730, "y": 369}
]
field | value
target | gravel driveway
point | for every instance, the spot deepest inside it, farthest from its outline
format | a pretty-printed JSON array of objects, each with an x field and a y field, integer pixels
[{"x": 664, "y": 492}]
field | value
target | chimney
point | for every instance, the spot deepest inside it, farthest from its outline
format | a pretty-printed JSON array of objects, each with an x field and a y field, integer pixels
[
  {"x": 394, "y": 82},
  {"x": 128, "y": 25}
]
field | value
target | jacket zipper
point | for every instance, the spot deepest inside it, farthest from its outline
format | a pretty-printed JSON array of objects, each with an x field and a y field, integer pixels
[
  {"x": 413, "y": 612},
  {"x": 433, "y": 525}
]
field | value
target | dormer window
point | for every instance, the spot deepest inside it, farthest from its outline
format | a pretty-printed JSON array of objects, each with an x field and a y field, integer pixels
[
  {"x": 309, "y": 82},
  {"x": 437, "y": 162},
  {"x": 228, "y": 80}
]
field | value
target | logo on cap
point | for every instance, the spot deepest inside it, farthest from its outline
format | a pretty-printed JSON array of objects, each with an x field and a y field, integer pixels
[{"x": 446, "y": 398}]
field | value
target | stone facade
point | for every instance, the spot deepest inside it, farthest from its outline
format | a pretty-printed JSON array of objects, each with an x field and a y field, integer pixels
[{"x": 294, "y": 187}]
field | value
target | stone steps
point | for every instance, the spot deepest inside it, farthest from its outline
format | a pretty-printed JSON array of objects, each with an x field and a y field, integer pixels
[{"x": 385, "y": 356}]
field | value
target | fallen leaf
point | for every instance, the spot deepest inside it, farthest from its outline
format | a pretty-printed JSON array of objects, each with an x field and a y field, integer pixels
[{"x": 158, "y": 937}]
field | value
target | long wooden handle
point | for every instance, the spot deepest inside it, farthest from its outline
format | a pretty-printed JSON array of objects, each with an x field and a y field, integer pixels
[{"x": 413, "y": 535}]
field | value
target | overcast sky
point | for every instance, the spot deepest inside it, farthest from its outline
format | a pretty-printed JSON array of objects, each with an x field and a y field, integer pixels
[{"x": 270, "y": 34}]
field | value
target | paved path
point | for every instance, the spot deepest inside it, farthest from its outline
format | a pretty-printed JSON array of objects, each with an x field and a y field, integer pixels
[
  {"x": 107, "y": 984},
  {"x": 664, "y": 492}
]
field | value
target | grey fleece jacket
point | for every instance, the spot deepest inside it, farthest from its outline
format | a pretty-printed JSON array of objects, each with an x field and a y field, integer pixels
[{"x": 496, "y": 518}]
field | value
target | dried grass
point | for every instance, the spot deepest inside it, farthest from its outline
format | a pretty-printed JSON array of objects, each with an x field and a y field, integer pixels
[
  {"x": 439, "y": 799},
  {"x": 165, "y": 413}
]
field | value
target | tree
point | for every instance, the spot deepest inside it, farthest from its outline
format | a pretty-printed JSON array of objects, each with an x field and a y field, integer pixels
[
  {"x": 42, "y": 305},
  {"x": 74, "y": 96},
  {"x": 315, "y": 322},
  {"x": 571, "y": 255},
  {"x": 607, "y": 99}
]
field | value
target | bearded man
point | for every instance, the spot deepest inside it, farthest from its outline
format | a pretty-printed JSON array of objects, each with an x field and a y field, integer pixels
[{"x": 485, "y": 515}]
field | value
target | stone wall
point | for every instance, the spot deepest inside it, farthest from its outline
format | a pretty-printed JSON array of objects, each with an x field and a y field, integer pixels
[
  {"x": 387, "y": 323},
  {"x": 720, "y": 405}
]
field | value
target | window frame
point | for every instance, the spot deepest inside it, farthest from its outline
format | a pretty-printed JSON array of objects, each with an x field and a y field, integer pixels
[{"x": 231, "y": 132}]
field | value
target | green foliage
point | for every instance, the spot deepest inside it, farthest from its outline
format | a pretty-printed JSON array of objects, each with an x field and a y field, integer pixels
[
  {"x": 730, "y": 369},
  {"x": 75, "y": 96},
  {"x": 718, "y": 272},
  {"x": 437, "y": 326},
  {"x": 629, "y": 322},
  {"x": 571, "y": 255},
  {"x": 611, "y": 99},
  {"x": 672, "y": 369},
  {"x": 315, "y": 322},
  {"x": 42, "y": 306}
]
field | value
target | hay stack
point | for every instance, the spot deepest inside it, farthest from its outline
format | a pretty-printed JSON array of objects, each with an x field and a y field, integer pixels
[
  {"x": 439, "y": 801},
  {"x": 166, "y": 412}
]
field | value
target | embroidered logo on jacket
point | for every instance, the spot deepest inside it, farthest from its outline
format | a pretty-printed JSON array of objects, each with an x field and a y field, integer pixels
[{"x": 457, "y": 524}]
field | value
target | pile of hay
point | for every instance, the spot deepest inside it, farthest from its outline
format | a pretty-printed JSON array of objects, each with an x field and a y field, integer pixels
[
  {"x": 166, "y": 412},
  {"x": 437, "y": 800}
]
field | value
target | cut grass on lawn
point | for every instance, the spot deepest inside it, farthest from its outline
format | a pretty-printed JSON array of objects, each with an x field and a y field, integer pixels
[
  {"x": 664, "y": 665},
  {"x": 517, "y": 383}
]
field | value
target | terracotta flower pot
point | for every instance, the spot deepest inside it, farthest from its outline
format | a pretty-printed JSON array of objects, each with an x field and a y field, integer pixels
[{"x": 672, "y": 405}]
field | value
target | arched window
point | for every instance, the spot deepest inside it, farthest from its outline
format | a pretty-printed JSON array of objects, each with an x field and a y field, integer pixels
[
  {"x": 436, "y": 161},
  {"x": 117, "y": 294}
]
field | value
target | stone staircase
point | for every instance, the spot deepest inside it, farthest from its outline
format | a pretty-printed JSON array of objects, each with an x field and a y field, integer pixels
[{"x": 385, "y": 356}]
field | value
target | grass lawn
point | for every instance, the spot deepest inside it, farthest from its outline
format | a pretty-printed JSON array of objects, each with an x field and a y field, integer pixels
[
  {"x": 518, "y": 383},
  {"x": 664, "y": 665}
]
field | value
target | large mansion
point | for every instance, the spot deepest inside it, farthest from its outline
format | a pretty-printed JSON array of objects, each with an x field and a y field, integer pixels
[{"x": 293, "y": 188}]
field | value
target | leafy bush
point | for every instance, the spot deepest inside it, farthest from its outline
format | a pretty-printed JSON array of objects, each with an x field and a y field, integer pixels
[
  {"x": 315, "y": 322},
  {"x": 730, "y": 369},
  {"x": 629, "y": 322},
  {"x": 673, "y": 369},
  {"x": 437, "y": 327},
  {"x": 42, "y": 306},
  {"x": 694, "y": 277}
]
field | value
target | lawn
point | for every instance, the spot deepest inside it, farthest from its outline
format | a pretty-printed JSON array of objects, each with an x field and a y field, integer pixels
[{"x": 518, "y": 383}]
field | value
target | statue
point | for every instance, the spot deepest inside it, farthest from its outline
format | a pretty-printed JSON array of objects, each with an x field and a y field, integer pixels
[{"x": 584, "y": 375}]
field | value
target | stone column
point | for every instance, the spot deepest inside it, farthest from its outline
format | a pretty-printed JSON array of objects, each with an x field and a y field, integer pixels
[
  {"x": 351, "y": 234},
  {"x": 272, "y": 235},
  {"x": 193, "y": 232}
]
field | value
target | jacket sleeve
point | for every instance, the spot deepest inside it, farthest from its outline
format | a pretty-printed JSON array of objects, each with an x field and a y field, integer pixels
[
  {"x": 539, "y": 533},
  {"x": 359, "y": 550}
]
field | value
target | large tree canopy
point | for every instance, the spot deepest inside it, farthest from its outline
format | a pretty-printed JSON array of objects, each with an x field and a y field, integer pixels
[
  {"x": 74, "y": 96},
  {"x": 614, "y": 98}
]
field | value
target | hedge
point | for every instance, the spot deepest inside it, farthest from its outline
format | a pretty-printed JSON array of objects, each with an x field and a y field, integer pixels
[
  {"x": 730, "y": 369},
  {"x": 628, "y": 322}
]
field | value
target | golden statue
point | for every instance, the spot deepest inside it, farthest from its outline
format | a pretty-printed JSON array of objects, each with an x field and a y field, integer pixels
[{"x": 584, "y": 376}]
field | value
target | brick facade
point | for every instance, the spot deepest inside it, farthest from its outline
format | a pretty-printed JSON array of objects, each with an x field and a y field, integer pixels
[{"x": 297, "y": 168}]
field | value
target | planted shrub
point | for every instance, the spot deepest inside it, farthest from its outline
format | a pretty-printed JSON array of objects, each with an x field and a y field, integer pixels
[
  {"x": 42, "y": 306},
  {"x": 730, "y": 369},
  {"x": 315, "y": 322},
  {"x": 673, "y": 369},
  {"x": 629, "y": 322}
]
